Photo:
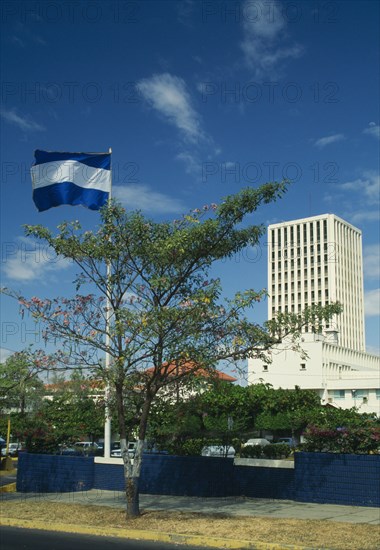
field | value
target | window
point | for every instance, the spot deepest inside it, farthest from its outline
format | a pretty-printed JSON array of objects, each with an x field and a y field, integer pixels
[
  {"x": 338, "y": 394},
  {"x": 265, "y": 368},
  {"x": 377, "y": 394},
  {"x": 360, "y": 394},
  {"x": 303, "y": 366}
]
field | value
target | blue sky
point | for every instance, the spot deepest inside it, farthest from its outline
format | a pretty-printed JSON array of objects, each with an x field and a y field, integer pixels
[{"x": 197, "y": 99}]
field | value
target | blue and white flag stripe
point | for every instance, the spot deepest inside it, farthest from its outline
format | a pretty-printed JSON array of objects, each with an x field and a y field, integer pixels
[{"x": 71, "y": 178}]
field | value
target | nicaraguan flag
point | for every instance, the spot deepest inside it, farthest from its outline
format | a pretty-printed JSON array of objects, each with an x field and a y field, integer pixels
[{"x": 71, "y": 178}]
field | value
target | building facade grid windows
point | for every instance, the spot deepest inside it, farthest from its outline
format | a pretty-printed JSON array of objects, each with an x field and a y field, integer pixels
[{"x": 340, "y": 264}]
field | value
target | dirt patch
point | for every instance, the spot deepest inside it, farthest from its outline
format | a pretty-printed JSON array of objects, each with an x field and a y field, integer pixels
[{"x": 310, "y": 533}]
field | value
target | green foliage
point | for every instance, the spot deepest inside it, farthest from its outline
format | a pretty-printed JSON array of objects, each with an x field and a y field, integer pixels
[
  {"x": 272, "y": 451},
  {"x": 20, "y": 388},
  {"x": 277, "y": 451},
  {"x": 353, "y": 440},
  {"x": 342, "y": 431},
  {"x": 191, "y": 447},
  {"x": 251, "y": 451},
  {"x": 162, "y": 305},
  {"x": 331, "y": 417}
]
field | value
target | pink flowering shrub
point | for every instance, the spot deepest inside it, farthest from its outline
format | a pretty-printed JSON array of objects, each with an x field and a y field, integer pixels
[{"x": 353, "y": 440}]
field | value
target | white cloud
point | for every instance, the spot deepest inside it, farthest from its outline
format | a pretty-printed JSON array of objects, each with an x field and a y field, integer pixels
[
  {"x": 364, "y": 216},
  {"x": 372, "y": 130},
  {"x": 191, "y": 161},
  {"x": 185, "y": 9},
  {"x": 372, "y": 302},
  {"x": 25, "y": 123},
  {"x": 168, "y": 95},
  {"x": 328, "y": 140},
  {"x": 368, "y": 185},
  {"x": 142, "y": 197},
  {"x": 264, "y": 30},
  {"x": 26, "y": 261},
  {"x": 371, "y": 260}
]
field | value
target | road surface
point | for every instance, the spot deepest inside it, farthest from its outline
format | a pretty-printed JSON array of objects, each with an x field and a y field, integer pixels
[{"x": 12, "y": 538}]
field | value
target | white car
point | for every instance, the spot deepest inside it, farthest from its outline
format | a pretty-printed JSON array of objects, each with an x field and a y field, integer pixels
[
  {"x": 218, "y": 450},
  {"x": 12, "y": 450},
  {"x": 116, "y": 450},
  {"x": 86, "y": 446},
  {"x": 257, "y": 441}
]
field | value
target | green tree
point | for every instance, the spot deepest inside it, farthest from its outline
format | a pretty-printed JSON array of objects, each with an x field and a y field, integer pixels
[
  {"x": 287, "y": 409},
  {"x": 74, "y": 410},
  {"x": 163, "y": 308},
  {"x": 21, "y": 389}
]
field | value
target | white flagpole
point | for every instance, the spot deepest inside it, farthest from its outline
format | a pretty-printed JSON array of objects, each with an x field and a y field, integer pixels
[{"x": 107, "y": 420}]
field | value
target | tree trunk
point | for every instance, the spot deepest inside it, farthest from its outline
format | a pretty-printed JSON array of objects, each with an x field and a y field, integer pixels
[
  {"x": 133, "y": 501},
  {"x": 132, "y": 471}
]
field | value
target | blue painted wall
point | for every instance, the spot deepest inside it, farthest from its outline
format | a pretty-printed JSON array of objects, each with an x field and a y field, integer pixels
[
  {"x": 277, "y": 483},
  {"x": 338, "y": 478},
  {"x": 174, "y": 475},
  {"x": 317, "y": 477},
  {"x": 52, "y": 474}
]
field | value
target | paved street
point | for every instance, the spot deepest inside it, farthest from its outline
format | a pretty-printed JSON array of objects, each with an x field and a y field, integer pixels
[
  {"x": 27, "y": 539},
  {"x": 7, "y": 478}
]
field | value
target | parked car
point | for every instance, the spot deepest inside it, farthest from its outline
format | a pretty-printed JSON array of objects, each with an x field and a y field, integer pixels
[
  {"x": 69, "y": 450},
  {"x": 13, "y": 449},
  {"x": 218, "y": 450},
  {"x": 256, "y": 441},
  {"x": 87, "y": 447},
  {"x": 288, "y": 440},
  {"x": 116, "y": 449}
]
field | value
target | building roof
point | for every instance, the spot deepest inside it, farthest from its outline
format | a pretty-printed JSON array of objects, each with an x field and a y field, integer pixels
[{"x": 173, "y": 369}]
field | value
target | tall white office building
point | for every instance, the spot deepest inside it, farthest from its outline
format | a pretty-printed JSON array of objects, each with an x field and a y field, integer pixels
[{"x": 319, "y": 260}]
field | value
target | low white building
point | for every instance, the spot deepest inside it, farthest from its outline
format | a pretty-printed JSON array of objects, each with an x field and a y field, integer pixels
[{"x": 342, "y": 377}]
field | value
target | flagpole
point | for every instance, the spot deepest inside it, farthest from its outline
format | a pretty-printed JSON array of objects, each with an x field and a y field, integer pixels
[{"x": 107, "y": 420}]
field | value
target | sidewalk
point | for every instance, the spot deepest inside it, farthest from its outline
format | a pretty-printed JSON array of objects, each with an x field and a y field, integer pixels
[{"x": 229, "y": 506}]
